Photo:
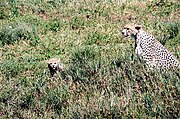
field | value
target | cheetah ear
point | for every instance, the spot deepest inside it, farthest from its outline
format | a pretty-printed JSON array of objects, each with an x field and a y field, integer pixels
[
  {"x": 46, "y": 61},
  {"x": 138, "y": 27}
]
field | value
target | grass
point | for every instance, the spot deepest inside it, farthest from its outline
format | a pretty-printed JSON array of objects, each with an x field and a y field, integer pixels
[{"x": 103, "y": 77}]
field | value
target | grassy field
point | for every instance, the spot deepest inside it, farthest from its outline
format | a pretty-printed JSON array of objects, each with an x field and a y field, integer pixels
[{"x": 103, "y": 76}]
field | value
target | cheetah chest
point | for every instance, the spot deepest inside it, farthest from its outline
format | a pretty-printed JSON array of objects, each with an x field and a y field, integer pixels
[{"x": 138, "y": 49}]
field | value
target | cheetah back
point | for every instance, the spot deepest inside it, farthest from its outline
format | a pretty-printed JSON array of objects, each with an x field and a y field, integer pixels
[{"x": 154, "y": 53}]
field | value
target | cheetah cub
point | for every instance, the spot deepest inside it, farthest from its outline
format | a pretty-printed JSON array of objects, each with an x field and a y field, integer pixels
[
  {"x": 150, "y": 50},
  {"x": 55, "y": 67}
]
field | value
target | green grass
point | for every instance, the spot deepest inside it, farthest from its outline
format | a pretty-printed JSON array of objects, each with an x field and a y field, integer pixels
[{"x": 103, "y": 77}]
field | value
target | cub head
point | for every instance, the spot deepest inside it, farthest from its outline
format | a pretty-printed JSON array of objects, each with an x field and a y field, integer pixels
[
  {"x": 55, "y": 64},
  {"x": 131, "y": 30}
]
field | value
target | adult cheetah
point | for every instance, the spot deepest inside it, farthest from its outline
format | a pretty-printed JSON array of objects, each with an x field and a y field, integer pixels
[{"x": 150, "y": 50}]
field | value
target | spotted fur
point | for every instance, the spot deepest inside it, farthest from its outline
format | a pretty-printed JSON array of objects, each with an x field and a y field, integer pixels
[{"x": 150, "y": 50}]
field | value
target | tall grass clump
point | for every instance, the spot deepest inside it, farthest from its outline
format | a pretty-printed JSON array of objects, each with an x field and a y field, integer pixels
[
  {"x": 98, "y": 38},
  {"x": 8, "y": 9},
  {"x": 11, "y": 68},
  {"x": 77, "y": 23},
  {"x": 84, "y": 63},
  {"x": 4, "y": 12},
  {"x": 166, "y": 31},
  {"x": 54, "y": 25},
  {"x": 162, "y": 8},
  {"x": 14, "y": 32}
]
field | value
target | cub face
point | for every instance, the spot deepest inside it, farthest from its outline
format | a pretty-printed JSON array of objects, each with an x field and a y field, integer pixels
[
  {"x": 131, "y": 30},
  {"x": 55, "y": 66}
]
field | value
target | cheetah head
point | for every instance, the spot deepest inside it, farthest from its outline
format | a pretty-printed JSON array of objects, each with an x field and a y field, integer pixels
[
  {"x": 55, "y": 64},
  {"x": 131, "y": 30}
]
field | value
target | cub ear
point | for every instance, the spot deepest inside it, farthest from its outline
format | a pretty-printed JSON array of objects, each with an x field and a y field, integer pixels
[
  {"x": 46, "y": 61},
  {"x": 138, "y": 27}
]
